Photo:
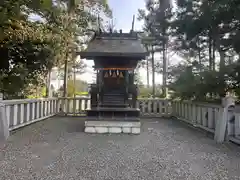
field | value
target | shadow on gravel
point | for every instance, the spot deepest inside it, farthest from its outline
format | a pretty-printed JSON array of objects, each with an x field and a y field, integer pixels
[{"x": 73, "y": 124}]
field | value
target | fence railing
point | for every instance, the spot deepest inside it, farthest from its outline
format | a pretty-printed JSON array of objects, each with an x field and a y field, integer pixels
[
  {"x": 23, "y": 112},
  {"x": 20, "y": 113},
  {"x": 206, "y": 116},
  {"x": 200, "y": 115},
  {"x": 148, "y": 107}
]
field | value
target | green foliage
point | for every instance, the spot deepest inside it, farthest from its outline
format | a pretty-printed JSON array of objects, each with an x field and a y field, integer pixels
[
  {"x": 78, "y": 88},
  {"x": 81, "y": 93},
  {"x": 26, "y": 50},
  {"x": 205, "y": 85},
  {"x": 36, "y": 92},
  {"x": 144, "y": 92},
  {"x": 70, "y": 88},
  {"x": 30, "y": 49},
  {"x": 206, "y": 35},
  {"x": 199, "y": 40}
]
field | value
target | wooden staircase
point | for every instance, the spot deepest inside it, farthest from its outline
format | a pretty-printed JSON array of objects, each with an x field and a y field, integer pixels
[{"x": 114, "y": 98}]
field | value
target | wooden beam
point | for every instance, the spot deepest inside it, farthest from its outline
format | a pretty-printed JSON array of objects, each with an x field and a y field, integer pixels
[{"x": 114, "y": 68}]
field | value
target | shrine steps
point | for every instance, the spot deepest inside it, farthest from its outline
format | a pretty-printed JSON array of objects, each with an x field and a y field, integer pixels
[
  {"x": 113, "y": 120},
  {"x": 113, "y": 99},
  {"x": 112, "y": 127},
  {"x": 113, "y": 112},
  {"x": 113, "y": 105}
]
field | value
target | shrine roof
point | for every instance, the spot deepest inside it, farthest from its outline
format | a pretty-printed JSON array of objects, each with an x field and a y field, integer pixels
[{"x": 115, "y": 44}]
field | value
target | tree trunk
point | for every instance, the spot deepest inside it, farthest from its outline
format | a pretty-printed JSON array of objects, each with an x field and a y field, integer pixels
[
  {"x": 164, "y": 71},
  {"x": 222, "y": 60},
  {"x": 65, "y": 76},
  {"x": 48, "y": 81},
  {"x": 199, "y": 55},
  {"x": 147, "y": 73},
  {"x": 47, "y": 88},
  {"x": 213, "y": 56},
  {"x": 221, "y": 67},
  {"x": 153, "y": 74},
  {"x": 210, "y": 50},
  {"x": 74, "y": 77}
]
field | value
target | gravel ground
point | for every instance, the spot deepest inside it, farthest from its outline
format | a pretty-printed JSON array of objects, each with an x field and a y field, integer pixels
[{"x": 166, "y": 149}]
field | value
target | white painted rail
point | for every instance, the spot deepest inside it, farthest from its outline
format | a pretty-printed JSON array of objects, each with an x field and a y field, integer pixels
[
  {"x": 23, "y": 112},
  {"x": 234, "y": 124},
  {"x": 154, "y": 107},
  {"x": 205, "y": 116},
  {"x": 198, "y": 114},
  {"x": 74, "y": 106},
  {"x": 148, "y": 107}
]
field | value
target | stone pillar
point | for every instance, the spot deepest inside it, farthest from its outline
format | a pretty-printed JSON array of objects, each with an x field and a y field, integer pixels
[
  {"x": 221, "y": 124},
  {"x": 4, "y": 129},
  {"x": 237, "y": 121}
]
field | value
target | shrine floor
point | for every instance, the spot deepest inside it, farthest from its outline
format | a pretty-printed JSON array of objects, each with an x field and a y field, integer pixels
[{"x": 58, "y": 149}]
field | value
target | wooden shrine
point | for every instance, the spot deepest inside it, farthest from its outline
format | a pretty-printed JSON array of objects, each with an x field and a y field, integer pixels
[{"x": 113, "y": 97}]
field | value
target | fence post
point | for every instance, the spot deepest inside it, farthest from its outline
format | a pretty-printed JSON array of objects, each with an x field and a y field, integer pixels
[
  {"x": 237, "y": 121},
  {"x": 173, "y": 112},
  {"x": 221, "y": 124},
  {"x": 4, "y": 129}
]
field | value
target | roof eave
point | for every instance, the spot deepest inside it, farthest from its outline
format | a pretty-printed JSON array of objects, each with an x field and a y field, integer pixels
[{"x": 92, "y": 55}]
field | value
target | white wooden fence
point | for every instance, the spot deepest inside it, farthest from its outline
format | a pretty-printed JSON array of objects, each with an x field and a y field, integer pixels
[
  {"x": 197, "y": 114},
  {"x": 205, "y": 116},
  {"x": 148, "y": 107},
  {"x": 20, "y": 113}
]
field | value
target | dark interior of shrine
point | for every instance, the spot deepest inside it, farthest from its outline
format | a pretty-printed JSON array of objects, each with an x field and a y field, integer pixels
[{"x": 114, "y": 78}]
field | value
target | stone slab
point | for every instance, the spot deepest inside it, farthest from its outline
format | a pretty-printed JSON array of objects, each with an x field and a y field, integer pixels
[
  {"x": 90, "y": 130},
  {"x": 114, "y": 119},
  {"x": 101, "y": 130},
  {"x": 112, "y": 124},
  {"x": 112, "y": 130},
  {"x": 114, "y": 109},
  {"x": 126, "y": 130},
  {"x": 136, "y": 130},
  {"x": 115, "y": 130}
]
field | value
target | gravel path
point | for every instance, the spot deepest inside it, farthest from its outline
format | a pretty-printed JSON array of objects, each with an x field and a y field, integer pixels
[{"x": 166, "y": 149}]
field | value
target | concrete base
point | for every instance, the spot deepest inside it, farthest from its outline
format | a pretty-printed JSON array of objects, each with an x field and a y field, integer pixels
[{"x": 112, "y": 127}]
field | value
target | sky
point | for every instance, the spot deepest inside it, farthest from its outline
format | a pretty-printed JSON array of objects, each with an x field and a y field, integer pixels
[{"x": 123, "y": 11}]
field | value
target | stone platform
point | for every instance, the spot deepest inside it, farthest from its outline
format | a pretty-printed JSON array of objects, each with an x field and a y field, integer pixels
[
  {"x": 113, "y": 112},
  {"x": 102, "y": 127}
]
